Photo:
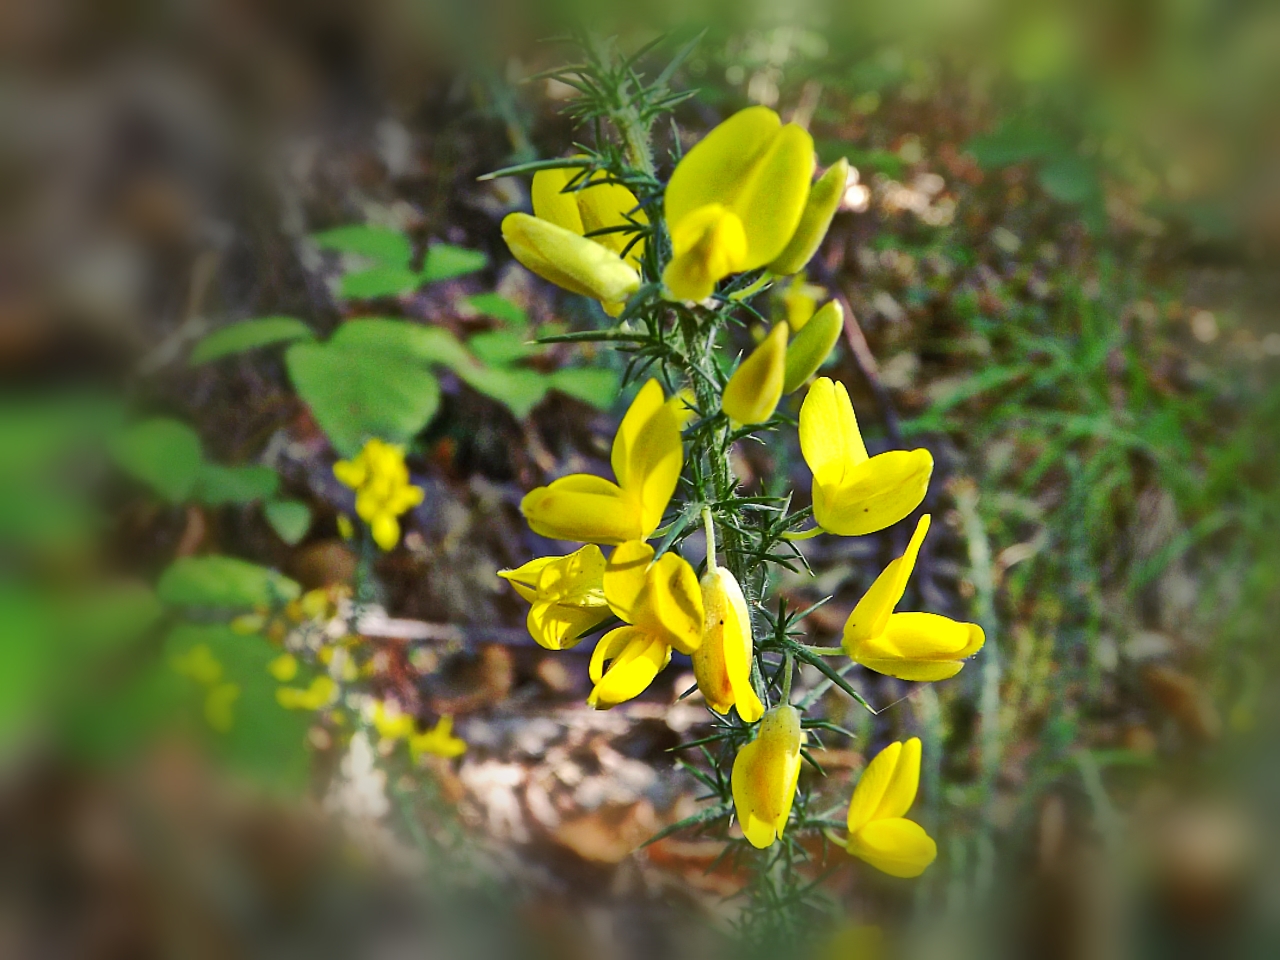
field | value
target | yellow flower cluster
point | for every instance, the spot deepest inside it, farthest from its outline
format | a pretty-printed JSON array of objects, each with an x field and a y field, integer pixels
[
  {"x": 199, "y": 664},
  {"x": 380, "y": 479},
  {"x": 742, "y": 199},
  {"x": 394, "y": 724}
]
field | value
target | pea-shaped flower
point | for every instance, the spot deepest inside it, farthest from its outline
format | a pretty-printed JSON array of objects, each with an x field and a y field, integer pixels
[
  {"x": 734, "y": 201},
  {"x": 722, "y": 663},
  {"x": 909, "y": 646},
  {"x": 855, "y": 494},
  {"x": 566, "y": 596},
  {"x": 662, "y": 606},
  {"x": 879, "y": 832},
  {"x": 552, "y": 243},
  {"x": 647, "y": 459},
  {"x": 765, "y": 774},
  {"x": 380, "y": 479},
  {"x": 753, "y": 392},
  {"x": 810, "y": 347}
]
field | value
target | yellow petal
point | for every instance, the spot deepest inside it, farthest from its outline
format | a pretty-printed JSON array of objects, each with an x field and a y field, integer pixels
[
  {"x": 898, "y": 847},
  {"x": 439, "y": 741},
  {"x": 920, "y": 647},
  {"x": 605, "y": 205},
  {"x": 284, "y": 667},
  {"x": 568, "y": 260},
  {"x": 525, "y": 577},
  {"x": 552, "y": 204},
  {"x": 755, "y": 388},
  {"x": 634, "y": 658},
  {"x": 625, "y": 578},
  {"x": 386, "y": 531},
  {"x": 812, "y": 345},
  {"x": 872, "y": 612},
  {"x": 559, "y": 626},
  {"x": 756, "y": 168},
  {"x": 765, "y": 774},
  {"x": 647, "y": 456},
  {"x": 707, "y": 245},
  {"x": 875, "y": 494},
  {"x": 722, "y": 663},
  {"x": 873, "y": 783},
  {"x": 583, "y": 507},
  {"x": 819, "y": 209},
  {"x": 902, "y": 788},
  {"x": 660, "y": 597},
  {"x": 829, "y": 435},
  {"x": 350, "y": 473}
]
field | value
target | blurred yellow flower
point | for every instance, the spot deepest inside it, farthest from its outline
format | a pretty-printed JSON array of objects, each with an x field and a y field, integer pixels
[
  {"x": 855, "y": 494},
  {"x": 753, "y": 392},
  {"x": 566, "y": 594},
  {"x": 662, "y": 605},
  {"x": 219, "y": 706},
  {"x": 380, "y": 479},
  {"x": 439, "y": 741},
  {"x": 284, "y": 667},
  {"x": 879, "y": 832},
  {"x": 317, "y": 696},
  {"x": 722, "y": 662},
  {"x": 647, "y": 459},
  {"x": 765, "y": 774},
  {"x": 909, "y": 646},
  {"x": 199, "y": 664},
  {"x": 735, "y": 200},
  {"x": 799, "y": 301},
  {"x": 391, "y": 721}
]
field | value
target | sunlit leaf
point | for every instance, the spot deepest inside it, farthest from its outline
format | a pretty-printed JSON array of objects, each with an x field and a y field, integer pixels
[
  {"x": 162, "y": 453},
  {"x": 217, "y": 485},
  {"x": 445, "y": 261},
  {"x": 249, "y": 335},
  {"x": 389, "y": 248},
  {"x": 290, "y": 519},
  {"x": 225, "y": 583}
]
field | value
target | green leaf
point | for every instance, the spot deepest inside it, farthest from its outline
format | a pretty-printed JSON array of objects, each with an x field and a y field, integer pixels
[
  {"x": 1014, "y": 142},
  {"x": 363, "y": 389},
  {"x": 412, "y": 341},
  {"x": 378, "y": 282},
  {"x": 265, "y": 741},
  {"x": 500, "y": 308},
  {"x": 226, "y": 583},
  {"x": 390, "y": 248},
  {"x": 501, "y": 347},
  {"x": 162, "y": 453},
  {"x": 26, "y": 662},
  {"x": 518, "y": 390},
  {"x": 1070, "y": 179},
  {"x": 445, "y": 261},
  {"x": 249, "y": 335},
  {"x": 290, "y": 519},
  {"x": 217, "y": 485},
  {"x": 591, "y": 385}
]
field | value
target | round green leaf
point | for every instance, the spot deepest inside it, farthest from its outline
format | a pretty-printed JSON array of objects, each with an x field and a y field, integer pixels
[
  {"x": 249, "y": 335},
  {"x": 162, "y": 453}
]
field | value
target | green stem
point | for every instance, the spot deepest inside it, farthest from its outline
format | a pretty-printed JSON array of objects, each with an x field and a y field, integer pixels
[
  {"x": 710, "y": 527},
  {"x": 786, "y": 678}
]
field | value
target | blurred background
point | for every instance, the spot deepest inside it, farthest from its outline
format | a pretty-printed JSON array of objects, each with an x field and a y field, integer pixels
[{"x": 1061, "y": 253}]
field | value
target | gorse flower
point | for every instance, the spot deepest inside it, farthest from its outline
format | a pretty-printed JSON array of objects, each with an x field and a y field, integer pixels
[
  {"x": 753, "y": 392},
  {"x": 734, "y": 201},
  {"x": 819, "y": 210},
  {"x": 854, "y": 494},
  {"x": 910, "y": 646},
  {"x": 722, "y": 663},
  {"x": 647, "y": 459},
  {"x": 380, "y": 479},
  {"x": 661, "y": 603},
  {"x": 552, "y": 243},
  {"x": 566, "y": 596},
  {"x": 879, "y": 832},
  {"x": 439, "y": 741},
  {"x": 765, "y": 774}
]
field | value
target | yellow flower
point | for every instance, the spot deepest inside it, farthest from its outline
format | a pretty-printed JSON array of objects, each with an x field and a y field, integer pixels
[
  {"x": 647, "y": 459},
  {"x": 284, "y": 667},
  {"x": 852, "y": 493},
  {"x": 566, "y": 593},
  {"x": 662, "y": 605},
  {"x": 735, "y": 200},
  {"x": 819, "y": 209},
  {"x": 391, "y": 721},
  {"x": 910, "y": 646},
  {"x": 765, "y": 774},
  {"x": 722, "y": 662},
  {"x": 753, "y": 392},
  {"x": 552, "y": 243},
  {"x": 319, "y": 695},
  {"x": 799, "y": 301},
  {"x": 219, "y": 706},
  {"x": 380, "y": 479},
  {"x": 812, "y": 345},
  {"x": 600, "y": 206},
  {"x": 439, "y": 741},
  {"x": 199, "y": 664},
  {"x": 879, "y": 832}
]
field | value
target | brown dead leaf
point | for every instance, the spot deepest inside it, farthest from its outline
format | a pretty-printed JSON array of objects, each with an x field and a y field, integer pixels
[
  {"x": 1181, "y": 695},
  {"x": 609, "y": 834}
]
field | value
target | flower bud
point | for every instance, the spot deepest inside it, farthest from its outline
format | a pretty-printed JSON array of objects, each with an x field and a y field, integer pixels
[
  {"x": 722, "y": 663},
  {"x": 824, "y": 200},
  {"x": 812, "y": 345},
  {"x": 755, "y": 388},
  {"x": 765, "y": 774},
  {"x": 570, "y": 261}
]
